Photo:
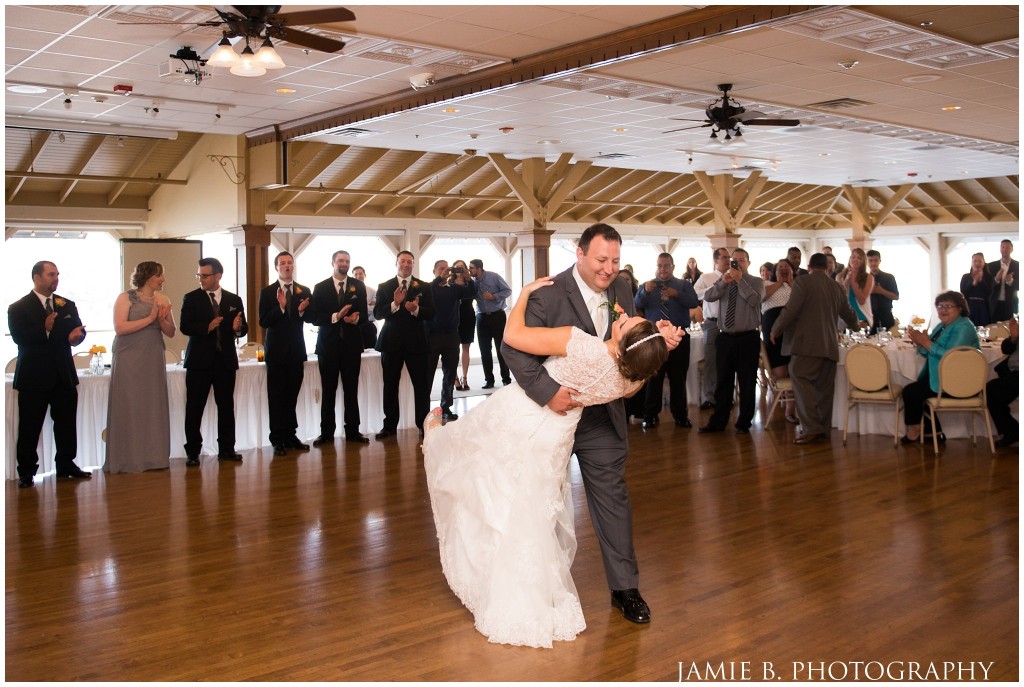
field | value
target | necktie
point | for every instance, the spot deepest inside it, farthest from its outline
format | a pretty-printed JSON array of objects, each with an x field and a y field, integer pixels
[
  {"x": 403, "y": 283},
  {"x": 597, "y": 314},
  {"x": 730, "y": 308},
  {"x": 288, "y": 298},
  {"x": 341, "y": 292},
  {"x": 216, "y": 312},
  {"x": 664, "y": 305},
  {"x": 48, "y": 308}
]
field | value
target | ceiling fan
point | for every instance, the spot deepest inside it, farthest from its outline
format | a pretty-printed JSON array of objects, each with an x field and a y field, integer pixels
[
  {"x": 262, "y": 22},
  {"x": 726, "y": 115}
]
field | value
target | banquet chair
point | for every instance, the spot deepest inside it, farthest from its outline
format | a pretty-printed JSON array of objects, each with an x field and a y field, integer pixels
[
  {"x": 997, "y": 331},
  {"x": 12, "y": 364},
  {"x": 249, "y": 350},
  {"x": 868, "y": 381},
  {"x": 963, "y": 374},
  {"x": 781, "y": 389},
  {"x": 82, "y": 360}
]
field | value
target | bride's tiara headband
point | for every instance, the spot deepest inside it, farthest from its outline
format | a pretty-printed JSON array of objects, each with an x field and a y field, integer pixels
[{"x": 633, "y": 345}]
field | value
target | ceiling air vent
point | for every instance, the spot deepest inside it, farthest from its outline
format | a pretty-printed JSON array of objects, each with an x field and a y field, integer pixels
[
  {"x": 840, "y": 104},
  {"x": 354, "y": 132},
  {"x": 930, "y": 146},
  {"x": 613, "y": 156}
]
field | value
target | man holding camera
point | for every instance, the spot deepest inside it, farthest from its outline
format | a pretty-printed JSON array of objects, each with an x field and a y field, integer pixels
[
  {"x": 668, "y": 298},
  {"x": 449, "y": 287},
  {"x": 738, "y": 346},
  {"x": 491, "y": 293},
  {"x": 705, "y": 282}
]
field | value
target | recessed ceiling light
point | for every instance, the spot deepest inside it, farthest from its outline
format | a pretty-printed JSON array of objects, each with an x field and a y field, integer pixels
[
  {"x": 824, "y": 154},
  {"x": 921, "y": 78},
  {"x": 285, "y": 90},
  {"x": 449, "y": 110},
  {"x": 889, "y": 162},
  {"x": 548, "y": 142},
  {"x": 950, "y": 108},
  {"x": 926, "y": 23},
  {"x": 619, "y": 129},
  {"x": 26, "y": 90}
]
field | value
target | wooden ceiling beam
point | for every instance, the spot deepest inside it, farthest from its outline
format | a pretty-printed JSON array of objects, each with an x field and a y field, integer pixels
[{"x": 30, "y": 163}]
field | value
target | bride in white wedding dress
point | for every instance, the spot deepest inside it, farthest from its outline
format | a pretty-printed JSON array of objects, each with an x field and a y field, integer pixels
[{"x": 499, "y": 486}]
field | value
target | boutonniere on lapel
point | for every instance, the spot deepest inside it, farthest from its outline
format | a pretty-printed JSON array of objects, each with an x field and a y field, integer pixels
[
  {"x": 59, "y": 302},
  {"x": 415, "y": 284},
  {"x": 613, "y": 308},
  {"x": 351, "y": 289},
  {"x": 298, "y": 289}
]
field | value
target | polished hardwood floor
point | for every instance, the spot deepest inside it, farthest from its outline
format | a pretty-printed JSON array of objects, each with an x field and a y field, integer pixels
[{"x": 323, "y": 566}]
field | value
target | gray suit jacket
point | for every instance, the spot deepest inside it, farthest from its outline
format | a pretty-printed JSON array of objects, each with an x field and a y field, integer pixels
[
  {"x": 560, "y": 305},
  {"x": 808, "y": 322}
]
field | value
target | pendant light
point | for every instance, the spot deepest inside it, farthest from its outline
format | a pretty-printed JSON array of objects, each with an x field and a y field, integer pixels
[
  {"x": 248, "y": 65},
  {"x": 267, "y": 57},
  {"x": 224, "y": 55}
]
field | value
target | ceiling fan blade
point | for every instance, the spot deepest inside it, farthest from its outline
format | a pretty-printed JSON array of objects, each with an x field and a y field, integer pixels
[
  {"x": 685, "y": 119},
  {"x": 745, "y": 116},
  {"x": 309, "y": 40},
  {"x": 772, "y": 122},
  {"x": 687, "y": 128},
  {"x": 255, "y": 11},
  {"x": 311, "y": 17}
]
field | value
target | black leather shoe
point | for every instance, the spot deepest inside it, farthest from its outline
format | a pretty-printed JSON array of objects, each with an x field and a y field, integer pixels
[
  {"x": 448, "y": 416},
  {"x": 323, "y": 439},
  {"x": 633, "y": 607},
  {"x": 708, "y": 429},
  {"x": 941, "y": 437},
  {"x": 192, "y": 460},
  {"x": 743, "y": 430},
  {"x": 280, "y": 450},
  {"x": 229, "y": 455},
  {"x": 356, "y": 439},
  {"x": 295, "y": 443},
  {"x": 506, "y": 382},
  {"x": 685, "y": 422},
  {"x": 1006, "y": 440},
  {"x": 25, "y": 482},
  {"x": 385, "y": 433},
  {"x": 907, "y": 441},
  {"x": 488, "y": 385},
  {"x": 650, "y": 422},
  {"x": 74, "y": 472},
  {"x": 707, "y": 405}
]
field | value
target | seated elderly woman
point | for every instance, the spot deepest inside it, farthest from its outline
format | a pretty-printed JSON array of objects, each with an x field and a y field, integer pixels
[{"x": 954, "y": 329}]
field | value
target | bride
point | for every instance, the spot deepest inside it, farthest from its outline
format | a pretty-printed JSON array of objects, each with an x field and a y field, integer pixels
[{"x": 498, "y": 478}]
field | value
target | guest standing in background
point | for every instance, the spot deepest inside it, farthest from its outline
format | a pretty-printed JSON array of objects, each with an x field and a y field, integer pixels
[
  {"x": 366, "y": 326},
  {"x": 138, "y": 416},
  {"x": 692, "y": 273},
  {"x": 45, "y": 327},
  {"x": 1005, "y": 272},
  {"x": 709, "y": 380},
  {"x": 467, "y": 326},
  {"x": 883, "y": 293},
  {"x": 491, "y": 292},
  {"x": 213, "y": 319},
  {"x": 337, "y": 308},
  {"x": 776, "y": 296},
  {"x": 1002, "y": 391},
  {"x": 858, "y": 284},
  {"x": 449, "y": 288},
  {"x": 281, "y": 307},
  {"x": 976, "y": 286}
]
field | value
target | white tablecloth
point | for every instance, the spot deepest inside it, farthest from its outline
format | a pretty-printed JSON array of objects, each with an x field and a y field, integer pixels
[
  {"x": 904, "y": 366},
  {"x": 251, "y": 415}
]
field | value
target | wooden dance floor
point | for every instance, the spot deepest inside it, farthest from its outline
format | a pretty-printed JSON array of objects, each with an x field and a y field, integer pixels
[{"x": 323, "y": 566}]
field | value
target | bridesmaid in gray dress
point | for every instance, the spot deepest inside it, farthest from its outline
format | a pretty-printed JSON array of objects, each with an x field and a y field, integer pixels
[{"x": 138, "y": 420}]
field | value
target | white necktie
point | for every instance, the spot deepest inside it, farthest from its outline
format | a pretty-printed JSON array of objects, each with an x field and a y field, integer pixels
[{"x": 597, "y": 313}]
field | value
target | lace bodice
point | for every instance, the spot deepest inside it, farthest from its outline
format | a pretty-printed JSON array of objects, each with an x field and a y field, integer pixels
[{"x": 589, "y": 369}]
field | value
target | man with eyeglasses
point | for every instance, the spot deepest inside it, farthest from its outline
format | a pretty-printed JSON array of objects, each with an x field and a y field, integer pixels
[
  {"x": 213, "y": 319},
  {"x": 705, "y": 282}
]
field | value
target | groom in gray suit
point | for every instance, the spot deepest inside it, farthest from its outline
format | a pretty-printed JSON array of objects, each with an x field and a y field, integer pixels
[{"x": 582, "y": 297}]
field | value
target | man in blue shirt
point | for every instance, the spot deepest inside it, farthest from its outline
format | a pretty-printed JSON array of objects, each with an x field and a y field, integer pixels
[
  {"x": 491, "y": 292},
  {"x": 668, "y": 298}
]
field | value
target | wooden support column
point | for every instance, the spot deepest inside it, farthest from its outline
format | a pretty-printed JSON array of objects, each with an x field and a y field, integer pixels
[
  {"x": 862, "y": 220},
  {"x": 731, "y": 203},
  {"x": 254, "y": 272}
]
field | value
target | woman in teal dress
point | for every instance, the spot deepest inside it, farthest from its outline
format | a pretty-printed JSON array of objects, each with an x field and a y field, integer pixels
[{"x": 954, "y": 329}]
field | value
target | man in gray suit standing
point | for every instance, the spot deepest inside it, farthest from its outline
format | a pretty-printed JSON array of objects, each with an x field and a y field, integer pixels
[
  {"x": 808, "y": 328},
  {"x": 584, "y": 296}
]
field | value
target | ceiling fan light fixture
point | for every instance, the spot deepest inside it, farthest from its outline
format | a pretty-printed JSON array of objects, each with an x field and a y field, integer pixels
[
  {"x": 267, "y": 57},
  {"x": 224, "y": 55},
  {"x": 248, "y": 66}
]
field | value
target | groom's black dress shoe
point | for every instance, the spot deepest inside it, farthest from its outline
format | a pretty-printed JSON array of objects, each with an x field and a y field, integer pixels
[
  {"x": 632, "y": 605},
  {"x": 449, "y": 416},
  {"x": 75, "y": 472},
  {"x": 25, "y": 482}
]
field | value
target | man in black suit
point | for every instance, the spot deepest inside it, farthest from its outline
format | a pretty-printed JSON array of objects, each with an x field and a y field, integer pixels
[
  {"x": 338, "y": 308},
  {"x": 1005, "y": 272},
  {"x": 447, "y": 290},
  {"x": 45, "y": 327},
  {"x": 282, "y": 305},
  {"x": 404, "y": 306},
  {"x": 212, "y": 319}
]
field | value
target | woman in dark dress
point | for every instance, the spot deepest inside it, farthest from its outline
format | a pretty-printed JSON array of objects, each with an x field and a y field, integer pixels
[
  {"x": 467, "y": 325},
  {"x": 976, "y": 286},
  {"x": 692, "y": 273}
]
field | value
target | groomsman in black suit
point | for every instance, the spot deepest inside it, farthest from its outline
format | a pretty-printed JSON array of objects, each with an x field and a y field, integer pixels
[
  {"x": 1006, "y": 272},
  {"x": 212, "y": 319},
  {"x": 339, "y": 308},
  {"x": 45, "y": 327},
  {"x": 404, "y": 306},
  {"x": 282, "y": 305}
]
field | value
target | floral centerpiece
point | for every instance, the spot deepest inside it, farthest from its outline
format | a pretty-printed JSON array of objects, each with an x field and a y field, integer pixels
[{"x": 96, "y": 364}]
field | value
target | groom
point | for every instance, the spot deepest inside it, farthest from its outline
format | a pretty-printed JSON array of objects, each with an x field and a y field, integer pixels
[{"x": 581, "y": 297}]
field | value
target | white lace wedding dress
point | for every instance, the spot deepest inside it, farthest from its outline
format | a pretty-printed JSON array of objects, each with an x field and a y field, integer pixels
[{"x": 502, "y": 504}]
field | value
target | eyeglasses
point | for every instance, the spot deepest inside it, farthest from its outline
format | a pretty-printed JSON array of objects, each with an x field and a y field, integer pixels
[
  {"x": 200, "y": 275},
  {"x": 946, "y": 306}
]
